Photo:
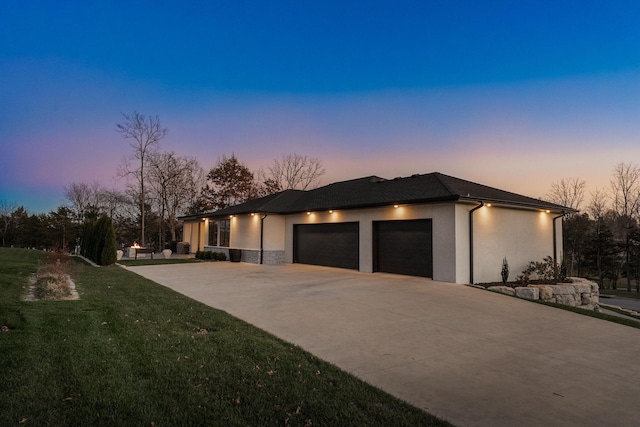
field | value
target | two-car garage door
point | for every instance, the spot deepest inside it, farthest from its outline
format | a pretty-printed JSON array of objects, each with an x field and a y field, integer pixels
[{"x": 402, "y": 247}]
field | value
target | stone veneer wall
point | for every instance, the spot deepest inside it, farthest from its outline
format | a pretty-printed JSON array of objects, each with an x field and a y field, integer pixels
[
  {"x": 268, "y": 257},
  {"x": 580, "y": 293}
]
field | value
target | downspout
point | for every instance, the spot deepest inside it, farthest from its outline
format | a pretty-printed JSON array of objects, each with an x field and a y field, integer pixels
[
  {"x": 471, "y": 241},
  {"x": 555, "y": 238},
  {"x": 262, "y": 218}
]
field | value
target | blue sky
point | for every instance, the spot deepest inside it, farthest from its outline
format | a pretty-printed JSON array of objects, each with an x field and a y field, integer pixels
[{"x": 515, "y": 95}]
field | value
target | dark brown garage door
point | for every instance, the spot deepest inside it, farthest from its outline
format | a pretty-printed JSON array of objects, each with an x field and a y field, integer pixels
[
  {"x": 403, "y": 247},
  {"x": 332, "y": 245}
]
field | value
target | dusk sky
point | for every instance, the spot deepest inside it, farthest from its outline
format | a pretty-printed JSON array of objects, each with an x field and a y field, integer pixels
[{"x": 511, "y": 94}]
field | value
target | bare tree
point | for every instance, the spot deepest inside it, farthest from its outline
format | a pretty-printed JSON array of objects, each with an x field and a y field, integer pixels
[
  {"x": 83, "y": 197},
  {"x": 144, "y": 134},
  {"x": 174, "y": 181},
  {"x": 293, "y": 171},
  {"x": 6, "y": 209},
  {"x": 597, "y": 209},
  {"x": 567, "y": 192},
  {"x": 625, "y": 188}
]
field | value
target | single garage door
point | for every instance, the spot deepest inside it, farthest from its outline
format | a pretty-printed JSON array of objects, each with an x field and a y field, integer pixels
[
  {"x": 403, "y": 247},
  {"x": 332, "y": 245}
]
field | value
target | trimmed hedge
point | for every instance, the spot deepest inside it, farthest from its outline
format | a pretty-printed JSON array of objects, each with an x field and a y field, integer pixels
[{"x": 211, "y": 256}]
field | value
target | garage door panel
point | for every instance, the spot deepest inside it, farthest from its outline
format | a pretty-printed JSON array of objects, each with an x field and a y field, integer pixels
[
  {"x": 332, "y": 245},
  {"x": 404, "y": 247}
]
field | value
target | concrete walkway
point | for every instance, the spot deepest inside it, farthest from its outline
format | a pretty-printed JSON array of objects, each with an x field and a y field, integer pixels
[{"x": 470, "y": 356}]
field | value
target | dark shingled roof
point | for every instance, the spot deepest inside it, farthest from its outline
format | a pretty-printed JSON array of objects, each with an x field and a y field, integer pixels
[{"x": 374, "y": 191}]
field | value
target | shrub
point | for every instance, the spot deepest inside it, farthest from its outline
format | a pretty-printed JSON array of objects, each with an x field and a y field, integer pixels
[
  {"x": 546, "y": 270},
  {"x": 505, "y": 270},
  {"x": 99, "y": 241},
  {"x": 211, "y": 256}
]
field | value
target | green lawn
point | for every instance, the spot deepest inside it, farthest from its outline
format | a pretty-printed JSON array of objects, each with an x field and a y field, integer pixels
[
  {"x": 129, "y": 353},
  {"x": 149, "y": 261},
  {"x": 621, "y": 293}
]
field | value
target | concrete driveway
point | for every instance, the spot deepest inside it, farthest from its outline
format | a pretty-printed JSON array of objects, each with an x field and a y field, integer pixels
[{"x": 470, "y": 356}]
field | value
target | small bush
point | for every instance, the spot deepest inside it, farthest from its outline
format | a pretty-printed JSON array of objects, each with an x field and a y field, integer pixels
[
  {"x": 505, "y": 271},
  {"x": 211, "y": 256},
  {"x": 547, "y": 271}
]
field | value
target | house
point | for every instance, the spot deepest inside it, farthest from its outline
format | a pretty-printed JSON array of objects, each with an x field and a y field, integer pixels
[{"x": 430, "y": 225}]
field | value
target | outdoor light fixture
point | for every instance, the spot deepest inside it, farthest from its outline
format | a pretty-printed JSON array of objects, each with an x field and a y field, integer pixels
[
  {"x": 548, "y": 211},
  {"x": 252, "y": 214},
  {"x": 395, "y": 206},
  {"x": 488, "y": 205},
  {"x": 330, "y": 211},
  {"x": 308, "y": 213}
]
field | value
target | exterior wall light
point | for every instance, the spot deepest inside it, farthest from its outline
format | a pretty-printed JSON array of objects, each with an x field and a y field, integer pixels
[
  {"x": 252, "y": 214},
  {"x": 395, "y": 206},
  {"x": 330, "y": 211},
  {"x": 308, "y": 213},
  {"x": 488, "y": 205},
  {"x": 548, "y": 211}
]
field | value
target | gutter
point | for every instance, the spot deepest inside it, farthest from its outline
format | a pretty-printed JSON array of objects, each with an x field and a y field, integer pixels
[
  {"x": 262, "y": 218},
  {"x": 471, "y": 241},
  {"x": 555, "y": 238}
]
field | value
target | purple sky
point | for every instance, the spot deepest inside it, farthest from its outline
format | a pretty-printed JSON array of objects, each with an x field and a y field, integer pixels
[{"x": 515, "y": 95}]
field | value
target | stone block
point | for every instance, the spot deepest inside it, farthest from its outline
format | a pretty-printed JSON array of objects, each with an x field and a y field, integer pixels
[
  {"x": 581, "y": 288},
  {"x": 568, "y": 300},
  {"x": 562, "y": 290},
  {"x": 503, "y": 290},
  {"x": 545, "y": 291},
  {"x": 527, "y": 292}
]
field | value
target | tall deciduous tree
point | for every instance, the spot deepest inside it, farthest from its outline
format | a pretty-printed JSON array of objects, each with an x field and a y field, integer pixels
[
  {"x": 567, "y": 192},
  {"x": 601, "y": 237},
  {"x": 229, "y": 183},
  {"x": 293, "y": 171},
  {"x": 144, "y": 134},
  {"x": 175, "y": 181},
  {"x": 625, "y": 195}
]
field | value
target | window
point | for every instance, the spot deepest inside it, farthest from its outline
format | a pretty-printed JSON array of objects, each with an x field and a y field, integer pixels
[
  {"x": 225, "y": 231},
  {"x": 213, "y": 233},
  {"x": 219, "y": 232}
]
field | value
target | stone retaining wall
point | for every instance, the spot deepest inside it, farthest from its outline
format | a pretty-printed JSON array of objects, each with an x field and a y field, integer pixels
[{"x": 580, "y": 293}]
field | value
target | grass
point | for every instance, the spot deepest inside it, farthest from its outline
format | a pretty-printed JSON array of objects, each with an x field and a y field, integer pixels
[
  {"x": 131, "y": 352},
  {"x": 148, "y": 261},
  {"x": 621, "y": 293}
]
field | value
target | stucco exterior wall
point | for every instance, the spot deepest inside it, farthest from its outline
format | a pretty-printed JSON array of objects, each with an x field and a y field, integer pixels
[
  {"x": 444, "y": 260},
  {"x": 196, "y": 232},
  {"x": 517, "y": 234},
  {"x": 245, "y": 232}
]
